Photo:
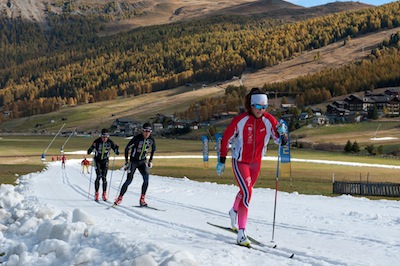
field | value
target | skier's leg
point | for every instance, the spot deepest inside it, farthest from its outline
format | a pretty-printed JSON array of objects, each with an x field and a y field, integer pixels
[
  {"x": 128, "y": 181},
  {"x": 144, "y": 170},
  {"x": 243, "y": 179}
]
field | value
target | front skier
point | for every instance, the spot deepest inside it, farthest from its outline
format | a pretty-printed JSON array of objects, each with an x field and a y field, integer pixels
[
  {"x": 249, "y": 134},
  {"x": 138, "y": 148}
]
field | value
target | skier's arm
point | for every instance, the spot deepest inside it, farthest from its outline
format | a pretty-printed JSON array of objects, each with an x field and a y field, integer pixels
[
  {"x": 274, "y": 128},
  {"x": 115, "y": 147},
  {"x": 129, "y": 147},
  {"x": 153, "y": 150},
  {"x": 228, "y": 134},
  {"x": 93, "y": 146}
]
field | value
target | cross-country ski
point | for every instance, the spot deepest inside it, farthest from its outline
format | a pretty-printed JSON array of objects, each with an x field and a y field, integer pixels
[
  {"x": 261, "y": 247},
  {"x": 150, "y": 207}
]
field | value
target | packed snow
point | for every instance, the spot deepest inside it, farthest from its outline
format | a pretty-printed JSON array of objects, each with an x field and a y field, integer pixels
[{"x": 50, "y": 218}]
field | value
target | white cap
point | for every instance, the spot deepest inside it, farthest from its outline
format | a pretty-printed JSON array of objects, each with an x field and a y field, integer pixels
[{"x": 260, "y": 99}]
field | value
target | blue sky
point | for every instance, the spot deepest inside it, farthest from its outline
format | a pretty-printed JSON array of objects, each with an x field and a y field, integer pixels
[{"x": 309, "y": 3}]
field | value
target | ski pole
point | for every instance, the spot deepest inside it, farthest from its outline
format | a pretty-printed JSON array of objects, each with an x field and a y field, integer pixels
[
  {"x": 276, "y": 188},
  {"x": 120, "y": 183},
  {"x": 109, "y": 186},
  {"x": 90, "y": 179}
]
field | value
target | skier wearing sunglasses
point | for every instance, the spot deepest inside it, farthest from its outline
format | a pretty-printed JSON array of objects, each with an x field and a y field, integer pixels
[
  {"x": 138, "y": 148},
  {"x": 249, "y": 134}
]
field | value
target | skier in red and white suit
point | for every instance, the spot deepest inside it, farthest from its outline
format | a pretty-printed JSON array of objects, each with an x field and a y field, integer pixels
[{"x": 248, "y": 133}]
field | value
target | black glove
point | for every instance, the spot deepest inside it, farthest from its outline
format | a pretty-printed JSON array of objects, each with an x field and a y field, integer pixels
[
  {"x": 220, "y": 168},
  {"x": 126, "y": 166},
  {"x": 116, "y": 150},
  {"x": 89, "y": 151},
  {"x": 284, "y": 139}
]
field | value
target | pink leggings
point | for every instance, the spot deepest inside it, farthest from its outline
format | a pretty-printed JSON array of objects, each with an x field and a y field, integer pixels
[{"x": 246, "y": 176}]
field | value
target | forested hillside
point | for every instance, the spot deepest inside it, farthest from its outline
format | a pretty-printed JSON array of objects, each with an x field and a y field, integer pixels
[{"x": 42, "y": 71}]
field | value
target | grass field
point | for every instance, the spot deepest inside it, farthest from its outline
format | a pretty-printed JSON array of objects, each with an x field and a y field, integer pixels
[
  {"x": 100, "y": 115},
  {"x": 22, "y": 154}
]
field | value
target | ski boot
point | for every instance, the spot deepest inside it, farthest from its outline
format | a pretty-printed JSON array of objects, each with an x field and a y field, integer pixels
[
  {"x": 118, "y": 201},
  {"x": 233, "y": 216},
  {"x": 242, "y": 239},
  {"x": 142, "y": 202},
  {"x": 96, "y": 196}
]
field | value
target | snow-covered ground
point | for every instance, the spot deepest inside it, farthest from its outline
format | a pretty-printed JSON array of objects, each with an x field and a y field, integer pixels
[{"x": 49, "y": 219}]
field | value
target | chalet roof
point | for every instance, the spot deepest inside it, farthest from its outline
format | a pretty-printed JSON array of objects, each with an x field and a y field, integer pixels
[
  {"x": 378, "y": 94},
  {"x": 380, "y": 99},
  {"x": 393, "y": 90},
  {"x": 340, "y": 102},
  {"x": 352, "y": 97},
  {"x": 303, "y": 115},
  {"x": 394, "y": 100},
  {"x": 123, "y": 120},
  {"x": 339, "y": 109}
]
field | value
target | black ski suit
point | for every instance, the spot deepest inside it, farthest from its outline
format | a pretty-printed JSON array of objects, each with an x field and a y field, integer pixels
[
  {"x": 138, "y": 147},
  {"x": 101, "y": 159}
]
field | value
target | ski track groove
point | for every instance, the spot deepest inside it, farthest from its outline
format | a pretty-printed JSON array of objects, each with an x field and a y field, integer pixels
[
  {"x": 139, "y": 214},
  {"x": 323, "y": 233}
]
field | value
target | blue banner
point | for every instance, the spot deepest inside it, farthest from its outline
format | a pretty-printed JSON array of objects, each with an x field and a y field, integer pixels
[
  {"x": 218, "y": 138},
  {"x": 284, "y": 154},
  {"x": 204, "y": 140}
]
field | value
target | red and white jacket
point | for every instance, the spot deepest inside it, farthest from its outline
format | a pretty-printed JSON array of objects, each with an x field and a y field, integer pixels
[{"x": 249, "y": 137}]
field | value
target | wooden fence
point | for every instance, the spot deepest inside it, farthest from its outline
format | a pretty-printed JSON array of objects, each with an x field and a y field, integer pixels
[{"x": 367, "y": 188}]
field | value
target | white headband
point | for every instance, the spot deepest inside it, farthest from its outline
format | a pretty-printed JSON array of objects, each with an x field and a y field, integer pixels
[{"x": 261, "y": 99}]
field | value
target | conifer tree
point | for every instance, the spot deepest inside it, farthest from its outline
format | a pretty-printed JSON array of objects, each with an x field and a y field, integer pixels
[{"x": 348, "y": 148}]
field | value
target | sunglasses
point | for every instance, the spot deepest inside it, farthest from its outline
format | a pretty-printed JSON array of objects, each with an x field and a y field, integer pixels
[
  {"x": 146, "y": 130},
  {"x": 259, "y": 106}
]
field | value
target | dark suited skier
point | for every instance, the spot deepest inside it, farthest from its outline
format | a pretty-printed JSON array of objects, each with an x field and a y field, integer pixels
[
  {"x": 102, "y": 147},
  {"x": 138, "y": 148}
]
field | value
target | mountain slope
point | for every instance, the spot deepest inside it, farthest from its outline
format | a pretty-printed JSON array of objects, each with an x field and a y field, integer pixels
[
  {"x": 285, "y": 70},
  {"x": 145, "y": 106},
  {"x": 172, "y": 11},
  {"x": 333, "y": 56},
  {"x": 129, "y": 14}
]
